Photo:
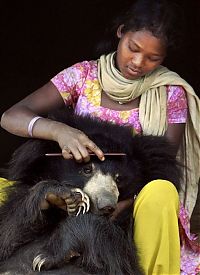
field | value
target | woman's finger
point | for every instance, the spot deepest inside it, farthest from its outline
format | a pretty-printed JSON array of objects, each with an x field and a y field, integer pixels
[
  {"x": 89, "y": 146},
  {"x": 66, "y": 152},
  {"x": 96, "y": 150},
  {"x": 76, "y": 153},
  {"x": 84, "y": 153}
]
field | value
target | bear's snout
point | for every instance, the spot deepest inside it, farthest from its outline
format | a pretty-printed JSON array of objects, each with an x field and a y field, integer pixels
[
  {"x": 103, "y": 193},
  {"x": 106, "y": 204}
]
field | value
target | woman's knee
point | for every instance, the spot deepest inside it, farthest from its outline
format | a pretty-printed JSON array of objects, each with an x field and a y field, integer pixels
[{"x": 156, "y": 195}]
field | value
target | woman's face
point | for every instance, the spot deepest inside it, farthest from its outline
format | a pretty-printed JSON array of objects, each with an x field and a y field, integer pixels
[{"x": 138, "y": 53}]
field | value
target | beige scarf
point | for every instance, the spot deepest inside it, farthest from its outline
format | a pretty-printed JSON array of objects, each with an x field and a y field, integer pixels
[{"x": 152, "y": 114}]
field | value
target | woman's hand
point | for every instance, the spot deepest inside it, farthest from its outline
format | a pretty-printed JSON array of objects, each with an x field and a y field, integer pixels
[
  {"x": 121, "y": 206},
  {"x": 75, "y": 144}
]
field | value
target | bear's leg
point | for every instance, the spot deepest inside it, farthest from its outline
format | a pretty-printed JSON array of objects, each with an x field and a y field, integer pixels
[
  {"x": 98, "y": 245},
  {"x": 26, "y": 218}
]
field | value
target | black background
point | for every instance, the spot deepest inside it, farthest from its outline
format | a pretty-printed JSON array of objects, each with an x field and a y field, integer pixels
[{"x": 39, "y": 39}]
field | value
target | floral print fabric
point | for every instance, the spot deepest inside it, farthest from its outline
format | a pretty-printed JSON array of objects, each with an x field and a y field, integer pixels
[{"x": 79, "y": 86}]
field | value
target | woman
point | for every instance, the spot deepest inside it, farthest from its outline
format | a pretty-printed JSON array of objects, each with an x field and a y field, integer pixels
[{"x": 129, "y": 86}]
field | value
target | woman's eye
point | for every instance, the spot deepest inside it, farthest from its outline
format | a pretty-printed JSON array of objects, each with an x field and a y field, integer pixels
[
  {"x": 154, "y": 59},
  {"x": 133, "y": 49}
]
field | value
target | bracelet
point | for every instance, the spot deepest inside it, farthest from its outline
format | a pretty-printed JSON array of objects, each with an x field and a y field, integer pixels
[{"x": 31, "y": 124}]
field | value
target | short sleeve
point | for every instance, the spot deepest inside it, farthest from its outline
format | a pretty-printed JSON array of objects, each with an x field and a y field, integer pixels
[
  {"x": 177, "y": 107},
  {"x": 70, "y": 81}
]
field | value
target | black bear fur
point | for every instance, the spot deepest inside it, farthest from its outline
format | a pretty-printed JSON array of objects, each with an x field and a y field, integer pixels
[{"x": 102, "y": 246}]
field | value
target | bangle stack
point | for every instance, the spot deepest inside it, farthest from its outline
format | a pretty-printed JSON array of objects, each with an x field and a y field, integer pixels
[{"x": 31, "y": 125}]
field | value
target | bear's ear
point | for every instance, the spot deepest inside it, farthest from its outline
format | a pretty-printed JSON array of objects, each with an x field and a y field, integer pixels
[{"x": 24, "y": 158}]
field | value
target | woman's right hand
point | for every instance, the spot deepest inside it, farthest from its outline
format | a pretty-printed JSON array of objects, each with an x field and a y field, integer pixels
[{"x": 75, "y": 144}]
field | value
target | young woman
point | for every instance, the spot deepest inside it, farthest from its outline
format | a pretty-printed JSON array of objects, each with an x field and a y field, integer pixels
[{"x": 129, "y": 86}]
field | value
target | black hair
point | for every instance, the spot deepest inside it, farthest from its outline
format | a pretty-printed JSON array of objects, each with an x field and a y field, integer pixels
[{"x": 163, "y": 18}]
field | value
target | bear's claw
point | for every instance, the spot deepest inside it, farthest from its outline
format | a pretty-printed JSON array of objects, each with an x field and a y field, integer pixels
[
  {"x": 38, "y": 262},
  {"x": 84, "y": 205}
]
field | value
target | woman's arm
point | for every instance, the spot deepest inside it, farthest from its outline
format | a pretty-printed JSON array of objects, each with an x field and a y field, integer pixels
[
  {"x": 175, "y": 133},
  {"x": 16, "y": 120}
]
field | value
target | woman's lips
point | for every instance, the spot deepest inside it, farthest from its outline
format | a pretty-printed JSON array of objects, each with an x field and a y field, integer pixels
[{"x": 133, "y": 71}]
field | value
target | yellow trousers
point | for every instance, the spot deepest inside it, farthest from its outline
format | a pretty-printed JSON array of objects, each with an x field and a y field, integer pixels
[
  {"x": 3, "y": 184},
  {"x": 156, "y": 232}
]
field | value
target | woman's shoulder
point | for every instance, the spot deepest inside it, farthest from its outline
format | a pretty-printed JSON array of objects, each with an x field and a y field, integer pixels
[
  {"x": 176, "y": 98},
  {"x": 176, "y": 91},
  {"x": 76, "y": 72},
  {"x": 82, "y": 70},
  {"x": 85, "y": 65}
]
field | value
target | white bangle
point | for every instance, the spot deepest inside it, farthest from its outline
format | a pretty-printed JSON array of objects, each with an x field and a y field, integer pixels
[{"x": 31, "y": 124}]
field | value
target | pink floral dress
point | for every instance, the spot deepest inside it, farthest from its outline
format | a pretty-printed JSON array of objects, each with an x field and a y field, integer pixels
[{"x": 79, "y": 87}]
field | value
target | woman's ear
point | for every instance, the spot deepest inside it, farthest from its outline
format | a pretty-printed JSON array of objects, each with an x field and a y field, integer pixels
[{"x": 119, "y": 31}]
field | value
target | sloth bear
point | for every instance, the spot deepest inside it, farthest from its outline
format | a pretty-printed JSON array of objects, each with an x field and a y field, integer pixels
[{"x": 80, "y": 239}]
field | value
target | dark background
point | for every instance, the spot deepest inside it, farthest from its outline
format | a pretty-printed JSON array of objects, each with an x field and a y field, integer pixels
[{"x": 39, "y": 39}]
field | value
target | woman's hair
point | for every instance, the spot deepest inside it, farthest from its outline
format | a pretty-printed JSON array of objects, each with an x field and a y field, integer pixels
[{"x": 163, "y": 18}]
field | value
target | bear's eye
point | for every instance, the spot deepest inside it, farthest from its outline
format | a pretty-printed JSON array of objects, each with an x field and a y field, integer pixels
[{"x": 87, "y": 170}]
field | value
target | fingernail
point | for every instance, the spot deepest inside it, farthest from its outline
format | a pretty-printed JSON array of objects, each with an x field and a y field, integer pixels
[{"x": 103, "y": 158}]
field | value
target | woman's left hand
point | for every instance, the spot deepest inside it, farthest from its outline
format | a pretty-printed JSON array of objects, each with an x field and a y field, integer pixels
[{"x": 121, "y": 206}]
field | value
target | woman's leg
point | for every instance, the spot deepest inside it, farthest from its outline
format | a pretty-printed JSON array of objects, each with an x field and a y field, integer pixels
[
  {"x": 156, "y": 231},
  {"x": 3, "y": 184}
]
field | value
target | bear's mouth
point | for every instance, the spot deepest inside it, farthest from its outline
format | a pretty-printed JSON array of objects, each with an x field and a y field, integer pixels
[{"x": 105, "y": 212}]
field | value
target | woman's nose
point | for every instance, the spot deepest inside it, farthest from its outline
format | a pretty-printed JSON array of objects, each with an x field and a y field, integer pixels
[{"x": 138, "y": 60}]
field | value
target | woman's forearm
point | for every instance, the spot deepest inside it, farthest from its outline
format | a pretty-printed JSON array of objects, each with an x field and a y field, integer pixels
[
  {"x": 17, "y": 119},
  {"x": 73, "y": 143}
]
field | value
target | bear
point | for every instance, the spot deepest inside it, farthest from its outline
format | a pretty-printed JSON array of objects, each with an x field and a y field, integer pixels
[{"x": 80, "y": 239}]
